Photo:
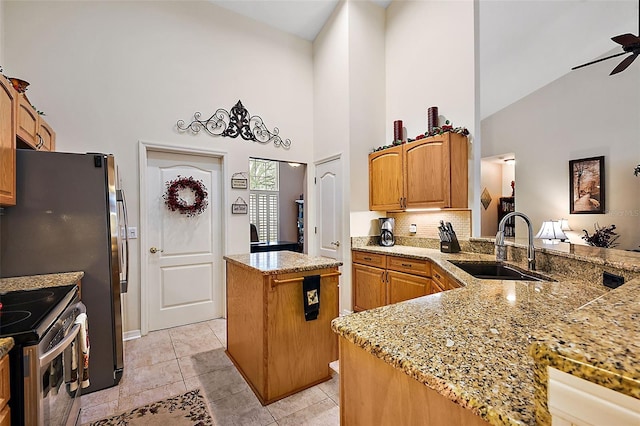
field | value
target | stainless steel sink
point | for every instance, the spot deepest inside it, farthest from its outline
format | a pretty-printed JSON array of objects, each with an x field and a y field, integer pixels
[{"x": 498, "y": 271}]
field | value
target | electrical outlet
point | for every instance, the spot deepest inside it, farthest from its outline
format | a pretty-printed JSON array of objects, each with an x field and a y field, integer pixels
[
  {"x": 611, "y": 280},
  {"x": 413, "y": 228},
  {"x": 133, "y": 232}
]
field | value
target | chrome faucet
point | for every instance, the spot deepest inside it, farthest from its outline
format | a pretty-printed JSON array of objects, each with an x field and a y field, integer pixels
[{"x": 501, "y": 250}]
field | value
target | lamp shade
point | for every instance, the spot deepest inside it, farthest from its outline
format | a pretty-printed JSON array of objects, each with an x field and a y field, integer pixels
[
  {"x": 551, "y": 232},
  {"x": 564, "y": 225}
]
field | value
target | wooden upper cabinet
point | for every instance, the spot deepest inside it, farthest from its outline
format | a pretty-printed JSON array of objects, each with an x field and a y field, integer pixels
[
  {"x": 436, "y": 170},
  {"x": 386, "y": 179},
  {"x": 33, "y": 130},
  {"x": 46, "y": 135},
  {"x": 8, "y": 122},
  {"x": 433, "y": 174}
]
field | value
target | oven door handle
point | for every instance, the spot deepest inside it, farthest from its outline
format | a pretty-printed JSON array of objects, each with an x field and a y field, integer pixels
[{"x": 49, "y": 356}]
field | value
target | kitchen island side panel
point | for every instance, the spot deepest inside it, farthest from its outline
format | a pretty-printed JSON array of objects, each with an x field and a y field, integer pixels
[
  {"x": 245, "y": 323},
  {"x": 299, "y": 351},
  {"x": 374, "y": 392}
]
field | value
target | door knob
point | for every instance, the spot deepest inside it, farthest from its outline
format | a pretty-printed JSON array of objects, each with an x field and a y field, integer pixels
[
  {"x": 336, "y": 243},
  {"x": 155, "y": 250}
]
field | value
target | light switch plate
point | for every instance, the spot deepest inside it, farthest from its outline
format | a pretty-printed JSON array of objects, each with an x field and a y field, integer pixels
[{"x": 133, "y": 232}]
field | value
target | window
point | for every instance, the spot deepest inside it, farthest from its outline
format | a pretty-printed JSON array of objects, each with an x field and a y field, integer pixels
[{"x": 263, "y": 198}]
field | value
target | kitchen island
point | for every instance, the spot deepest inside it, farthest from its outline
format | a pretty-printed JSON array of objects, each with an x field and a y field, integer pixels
[
  {"x": 275, "y": 346},
  {"x": 457, "y": 357}
]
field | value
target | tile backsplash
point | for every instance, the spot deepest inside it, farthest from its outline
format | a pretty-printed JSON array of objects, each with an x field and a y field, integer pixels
[{"x": 427, "y": 223}]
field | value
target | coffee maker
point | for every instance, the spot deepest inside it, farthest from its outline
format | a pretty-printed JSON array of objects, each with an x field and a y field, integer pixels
[{"x": 386, "y": 231}]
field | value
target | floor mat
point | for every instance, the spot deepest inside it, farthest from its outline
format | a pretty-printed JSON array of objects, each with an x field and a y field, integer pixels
[{"x": 189, "y": 409}]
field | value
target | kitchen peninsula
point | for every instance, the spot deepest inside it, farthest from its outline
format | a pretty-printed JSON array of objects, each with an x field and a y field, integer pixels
[
  {"x": 274, "y": 344},
  {"x": 462, "y": 357}
]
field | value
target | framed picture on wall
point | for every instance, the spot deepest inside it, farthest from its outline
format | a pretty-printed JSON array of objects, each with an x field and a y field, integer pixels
[{"x": 586, "y": 186}]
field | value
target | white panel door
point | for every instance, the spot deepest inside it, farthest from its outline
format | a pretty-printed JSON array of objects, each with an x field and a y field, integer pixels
[
  {"x": 329, "y": 213},
  {"x": 185, "y": 271}
]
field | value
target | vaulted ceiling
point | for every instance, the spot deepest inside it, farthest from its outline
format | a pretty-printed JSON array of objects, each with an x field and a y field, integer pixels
[{"x": 524, "y": 44}]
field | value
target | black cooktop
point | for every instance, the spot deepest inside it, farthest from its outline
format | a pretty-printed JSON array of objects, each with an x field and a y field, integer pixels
[{"x": 26, "y": 314}]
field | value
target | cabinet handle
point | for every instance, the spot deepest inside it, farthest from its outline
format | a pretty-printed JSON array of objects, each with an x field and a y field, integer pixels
[
  {"x": 387, "y": 277},
  {"x": 382, "y": 276},
  {"x": 438, "y": 276},
  {"x": 41, "y": 143},
  {"x": 406, "y": 265},
  {"x": 367, "y": 258}
]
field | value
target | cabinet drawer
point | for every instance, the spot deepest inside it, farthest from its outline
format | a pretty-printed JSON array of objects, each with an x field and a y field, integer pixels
[
  {"x": 439, "y": 276},
  {"x": 371, "y": 259},
  {"x": 411, "y": 266}
]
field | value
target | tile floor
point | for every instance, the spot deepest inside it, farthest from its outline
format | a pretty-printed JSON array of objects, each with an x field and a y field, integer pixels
[{"x": 169, "y": 362}]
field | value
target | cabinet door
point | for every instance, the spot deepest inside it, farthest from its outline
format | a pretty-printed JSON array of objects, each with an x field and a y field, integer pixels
[
  {"x": 404, "y": 286},
  {"x": 27, "y": 123},
  {"x": 5, "y": 392},
  {"x": 46, "y": 136},
  {"x": 368, "y": 287},
  {"x": 8, "y": 111},
  {"x": 385, "y": 179},
  {"x": 427, "y": 173}
]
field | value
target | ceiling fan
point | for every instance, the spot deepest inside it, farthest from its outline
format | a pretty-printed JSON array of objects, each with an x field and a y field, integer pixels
[{"x": 630, "y": 44}]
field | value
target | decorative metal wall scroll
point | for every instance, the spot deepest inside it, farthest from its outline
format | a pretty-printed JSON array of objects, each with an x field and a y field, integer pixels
[
  {"x": 239, "y": 181},
  {"x": 236, "y": 123}
]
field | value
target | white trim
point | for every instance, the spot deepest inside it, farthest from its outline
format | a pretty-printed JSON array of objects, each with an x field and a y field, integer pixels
[
  {"x": 131, "y": 335},
  {"x": 329, "y": 158},
  {"x": 143, "y": 148}
]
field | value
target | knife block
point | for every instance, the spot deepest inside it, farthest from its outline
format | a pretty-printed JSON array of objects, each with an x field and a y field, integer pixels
[{"x": 450, "y": 246}]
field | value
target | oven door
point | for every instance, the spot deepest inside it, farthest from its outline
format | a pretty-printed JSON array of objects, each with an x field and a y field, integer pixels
[{"x": 52, "y": 395}]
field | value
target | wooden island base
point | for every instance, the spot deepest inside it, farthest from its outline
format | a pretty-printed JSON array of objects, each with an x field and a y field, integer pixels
[
  {"x": 274, "y": 348},
  {"x": 373, "y": 392}
]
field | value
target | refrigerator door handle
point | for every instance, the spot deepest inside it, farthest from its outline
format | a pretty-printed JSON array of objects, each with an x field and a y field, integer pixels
[{"x": 124, "y": 284}]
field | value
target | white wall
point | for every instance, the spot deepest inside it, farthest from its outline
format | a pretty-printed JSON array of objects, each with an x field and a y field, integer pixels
[
  {"x": 583, "y": 114},
  {"x": 430, "y": 61},
  {"x": 109, "y": 74},
  {"x": 2, "y": 32},
  {"x": 292, "y": 180},
  {"x": 491, "y": 179}
]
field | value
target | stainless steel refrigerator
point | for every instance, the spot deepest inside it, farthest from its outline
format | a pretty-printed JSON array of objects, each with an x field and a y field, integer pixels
[{"x": 70, "y": 216}]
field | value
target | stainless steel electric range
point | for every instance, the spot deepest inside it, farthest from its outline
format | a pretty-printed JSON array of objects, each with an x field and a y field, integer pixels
[{"x": 42, "y": 322}]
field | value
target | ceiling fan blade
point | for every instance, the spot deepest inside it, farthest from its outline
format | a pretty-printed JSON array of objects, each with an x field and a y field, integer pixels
[
  {"x": 626, "y": 39},
  {"x": 624, "y": 64},
  {"x": 598, "y": 60}
]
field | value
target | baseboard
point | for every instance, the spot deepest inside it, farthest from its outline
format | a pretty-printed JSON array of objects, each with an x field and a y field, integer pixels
[{"x": 130, "y": 335}]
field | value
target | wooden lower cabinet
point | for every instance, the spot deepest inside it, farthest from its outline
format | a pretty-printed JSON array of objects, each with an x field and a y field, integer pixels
[
  {"x": 275, "y": 349},
  {"x": 369, "y": 290},
  {"x": 380, "y": 279},
  {"x": 5, "y": 392},
  {"x": 403, "y": 286},
  {"x": 373, "y": 392},
  {"x": 442, "y": 280}
]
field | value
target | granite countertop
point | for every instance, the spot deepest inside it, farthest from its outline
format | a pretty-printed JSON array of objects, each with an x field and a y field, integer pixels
[
  {"x": 32, "y": 282},
  {"x": 600, "y": 342},
  {"x": 623, "y": 259},
  {"x": 6, "y": 344},
  {"x": 281, "y": 262},
  {"x": 470, "y": 344}
]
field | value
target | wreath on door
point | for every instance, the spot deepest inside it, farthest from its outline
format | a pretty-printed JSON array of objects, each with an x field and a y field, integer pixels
[{"x": 176, "y": 203}]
